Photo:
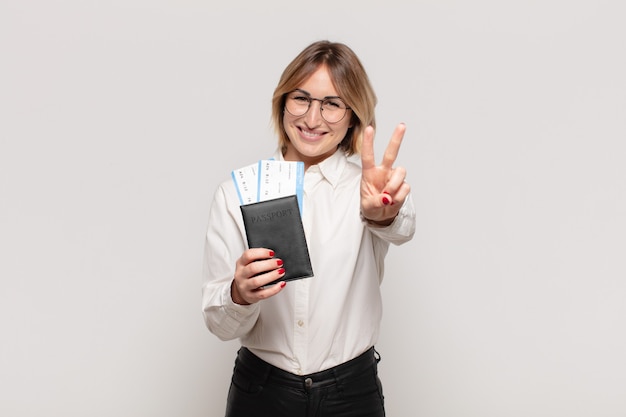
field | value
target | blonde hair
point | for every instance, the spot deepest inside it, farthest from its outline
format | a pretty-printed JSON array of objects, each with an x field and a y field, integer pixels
[{"x": 349, "y": 79}]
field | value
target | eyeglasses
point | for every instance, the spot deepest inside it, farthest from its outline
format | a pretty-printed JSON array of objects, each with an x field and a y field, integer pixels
[{"x": 332, "y": 109}]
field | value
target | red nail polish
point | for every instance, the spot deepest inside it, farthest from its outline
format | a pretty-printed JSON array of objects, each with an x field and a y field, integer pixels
[
  {"x": 385, "y": 201},
  {"x": 281, "y": 271},
  {"x": 271, "y": 254},
  {"x": 282, "y": 284},
  {"x": 279, "y": 262}
]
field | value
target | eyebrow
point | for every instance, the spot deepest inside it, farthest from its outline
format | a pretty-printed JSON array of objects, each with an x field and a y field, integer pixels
[{"x": 309, "y": 94}]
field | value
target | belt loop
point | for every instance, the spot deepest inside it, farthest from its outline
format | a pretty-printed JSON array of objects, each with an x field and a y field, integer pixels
[
  {"x": 376, "y": 355},
  {"x": 338, "y": 381}
]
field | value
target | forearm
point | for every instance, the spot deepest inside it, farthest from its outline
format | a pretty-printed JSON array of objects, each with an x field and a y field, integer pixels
[
  {"x": 398, "y": 230},
  {"x": 223, "y": 317},
  {"x": 223, "y": 245}
]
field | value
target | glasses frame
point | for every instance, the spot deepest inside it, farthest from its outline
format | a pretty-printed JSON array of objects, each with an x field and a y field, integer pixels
[{"x": 311, "y": 100}]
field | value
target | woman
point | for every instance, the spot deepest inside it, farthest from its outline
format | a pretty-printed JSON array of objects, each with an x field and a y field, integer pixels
[{"x": 308, "y": 345}]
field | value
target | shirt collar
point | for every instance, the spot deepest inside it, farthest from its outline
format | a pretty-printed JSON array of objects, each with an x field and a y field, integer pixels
[{"x": 331, "y": 168}]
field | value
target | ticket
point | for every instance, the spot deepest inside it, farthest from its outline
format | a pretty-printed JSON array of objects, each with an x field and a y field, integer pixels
[
  {"x": 246, "y": 182},
  {"x": 279, "y": 178},
  {"x": 269, "y": 179}
]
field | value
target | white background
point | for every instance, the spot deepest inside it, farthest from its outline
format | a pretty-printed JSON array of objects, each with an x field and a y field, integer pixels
[{"x": 118, "y": 119}]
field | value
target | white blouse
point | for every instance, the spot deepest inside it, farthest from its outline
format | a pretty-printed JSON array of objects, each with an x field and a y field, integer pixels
[{"x": 313, "y": 323}]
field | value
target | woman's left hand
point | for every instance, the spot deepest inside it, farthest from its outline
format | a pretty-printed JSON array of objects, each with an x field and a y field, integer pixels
[{"x": 383, "y": 187}]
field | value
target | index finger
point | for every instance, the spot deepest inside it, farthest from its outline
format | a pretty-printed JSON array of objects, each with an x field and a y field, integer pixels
[
  {"x": 255, "y": 254},
  {"x": 391, "y": 153}
]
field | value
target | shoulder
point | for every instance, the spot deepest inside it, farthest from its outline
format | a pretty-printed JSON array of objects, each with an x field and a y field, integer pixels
[
  {"x": 225, "y": 196},
  {"x": 353, "y": 166}
]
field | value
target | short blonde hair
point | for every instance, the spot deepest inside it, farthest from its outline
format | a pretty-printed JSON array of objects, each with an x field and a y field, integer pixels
[{"x": 349, "y": 79}]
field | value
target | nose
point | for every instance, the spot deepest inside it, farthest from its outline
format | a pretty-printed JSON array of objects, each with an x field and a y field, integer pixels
[{"x": 313, "y": 116}]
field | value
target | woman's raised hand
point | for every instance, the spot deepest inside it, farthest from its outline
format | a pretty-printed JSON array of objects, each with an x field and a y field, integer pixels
[{"x": 383, "y": 187}]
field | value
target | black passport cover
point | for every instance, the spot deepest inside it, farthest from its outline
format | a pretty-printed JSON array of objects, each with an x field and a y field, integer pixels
[{"x": 276, "y": 224}]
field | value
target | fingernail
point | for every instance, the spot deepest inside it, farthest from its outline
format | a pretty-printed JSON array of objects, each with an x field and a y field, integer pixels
[
  {"x": 385, "y": 201},
  {"x": 386, "y": 192},
  {"x": 271, "y": 254},
  {"x": 279, "y": 262},
  {"x": 281, "y": 271},
  {"x": 282, "y": 284}
]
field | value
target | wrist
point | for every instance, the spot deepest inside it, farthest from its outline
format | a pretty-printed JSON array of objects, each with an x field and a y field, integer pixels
[
  {"x": 381, "y": 222},
  {"x": 236, "y": 296}
]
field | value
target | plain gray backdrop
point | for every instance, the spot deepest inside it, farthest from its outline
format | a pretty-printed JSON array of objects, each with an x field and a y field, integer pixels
[{"x": 119, "y": 118}]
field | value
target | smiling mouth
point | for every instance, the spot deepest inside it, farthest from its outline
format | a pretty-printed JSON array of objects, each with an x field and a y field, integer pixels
[{"x": 309, "y": 134}]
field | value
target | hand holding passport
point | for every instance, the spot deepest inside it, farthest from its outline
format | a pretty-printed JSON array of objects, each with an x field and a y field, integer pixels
[
  {"x": 271, "y": 213},
  {"x": 276, "y": 224}
]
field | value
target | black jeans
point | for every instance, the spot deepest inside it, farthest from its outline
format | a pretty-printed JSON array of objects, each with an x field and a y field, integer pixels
[{"x": 259, "y": 389}]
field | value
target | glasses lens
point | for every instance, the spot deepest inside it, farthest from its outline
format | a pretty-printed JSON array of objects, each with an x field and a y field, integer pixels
[
  {"x": 333, "y": 109},
  {"x": 297, "y": 103}
]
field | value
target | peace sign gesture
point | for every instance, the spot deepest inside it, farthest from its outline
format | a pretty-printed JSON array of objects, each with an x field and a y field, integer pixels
[{"x": 383, "y": 189}]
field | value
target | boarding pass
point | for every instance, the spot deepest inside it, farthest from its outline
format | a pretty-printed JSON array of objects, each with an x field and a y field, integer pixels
[{"x": 268, "y": 179}]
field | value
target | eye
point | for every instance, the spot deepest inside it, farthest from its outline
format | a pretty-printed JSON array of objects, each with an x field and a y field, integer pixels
[
  {"x": 334, "y": 103},
  {"x": 300, "y": 98}
]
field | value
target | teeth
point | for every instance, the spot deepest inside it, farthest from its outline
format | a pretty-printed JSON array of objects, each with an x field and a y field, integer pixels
[{"x": 310, "y": 134}]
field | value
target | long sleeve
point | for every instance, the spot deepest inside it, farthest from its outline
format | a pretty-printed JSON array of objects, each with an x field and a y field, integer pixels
[
  {"x": 402, "y": 229},
  {"x": 224, "y": 244}
]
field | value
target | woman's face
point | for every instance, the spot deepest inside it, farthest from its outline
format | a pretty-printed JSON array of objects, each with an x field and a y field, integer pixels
[{"x": 311, "y": 138}]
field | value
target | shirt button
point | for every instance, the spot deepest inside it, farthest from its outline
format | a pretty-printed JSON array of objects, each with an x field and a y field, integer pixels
[{"x": 300, "y": 323}]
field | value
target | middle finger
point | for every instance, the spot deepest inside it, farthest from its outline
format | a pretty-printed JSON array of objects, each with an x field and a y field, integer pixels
[{"x": 391, "y": 152}]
